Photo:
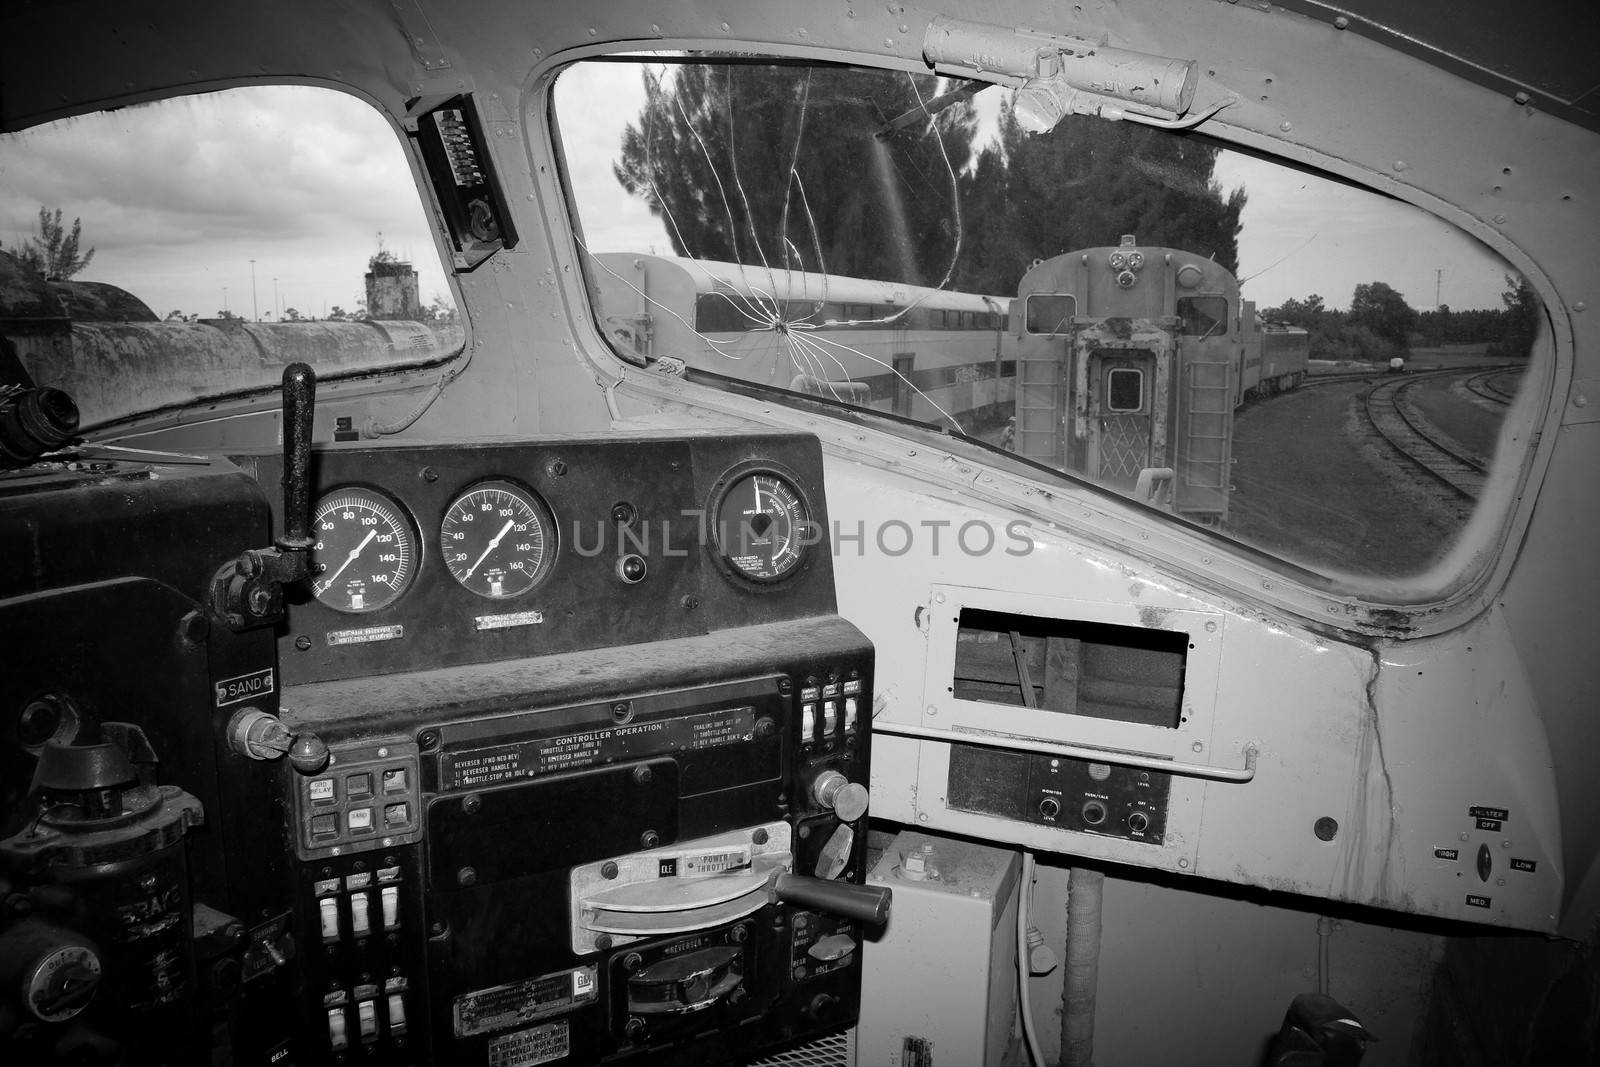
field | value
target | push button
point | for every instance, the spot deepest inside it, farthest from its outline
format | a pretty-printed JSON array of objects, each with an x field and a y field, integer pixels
[
  {"x": 325, "y": 825},
  {"x": 358, "y": 820},
  {"x": 395, "y": 780},
  {"x": 320, "y": 790},
  {"x": 358, "y": 786}
]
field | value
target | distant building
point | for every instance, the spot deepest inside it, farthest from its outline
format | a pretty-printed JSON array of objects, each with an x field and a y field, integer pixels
[{"x": 392, "y": 289}]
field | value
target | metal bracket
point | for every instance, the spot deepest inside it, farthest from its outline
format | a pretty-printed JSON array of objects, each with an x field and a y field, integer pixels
[{"x": 1093, "y": 755}]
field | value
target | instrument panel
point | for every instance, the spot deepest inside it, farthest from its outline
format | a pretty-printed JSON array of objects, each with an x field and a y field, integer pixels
[{"x": 443, "y": 556}]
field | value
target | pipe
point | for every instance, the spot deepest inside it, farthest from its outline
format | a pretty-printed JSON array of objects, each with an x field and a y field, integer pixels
[
  {"x": 1082, "y": 974},
  {"x": 1324, "y": 935},
  {"x": 1024, "y": 916}
]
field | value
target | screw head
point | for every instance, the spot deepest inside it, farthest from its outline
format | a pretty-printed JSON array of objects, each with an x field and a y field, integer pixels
[
  {"x": 467, "y": 876},
  {"x": 472, "y": 803},
  {"x": 649, "y": 839},
  {"x": 608, "y": 869}
]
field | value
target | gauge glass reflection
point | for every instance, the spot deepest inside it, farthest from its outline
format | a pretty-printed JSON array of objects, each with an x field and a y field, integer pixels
[
  {"x": 364, "y": 555},
  {"x": 761, "y": 526},
  {"x": 494, "y": 540}
]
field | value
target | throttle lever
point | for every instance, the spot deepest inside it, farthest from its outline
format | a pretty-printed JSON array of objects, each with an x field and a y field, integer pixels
[{"x": 863, "y": 903}]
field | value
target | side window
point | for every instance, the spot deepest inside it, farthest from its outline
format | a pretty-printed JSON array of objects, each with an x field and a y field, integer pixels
[
  {"x": 1203, "y": 316},
  {"x": 1051, "y": 312},
  {"x": 188, "y": 248}
]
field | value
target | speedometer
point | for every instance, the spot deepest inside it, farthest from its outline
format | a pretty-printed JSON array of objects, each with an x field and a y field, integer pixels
[
  {"x": 495, "y": 540},
  {"x": 364, "y": 555}
]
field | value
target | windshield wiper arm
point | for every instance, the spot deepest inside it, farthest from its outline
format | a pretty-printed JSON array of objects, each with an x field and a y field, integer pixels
[{"x": 932, "y": 107}]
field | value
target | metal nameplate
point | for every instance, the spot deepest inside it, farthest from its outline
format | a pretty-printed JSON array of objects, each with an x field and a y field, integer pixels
[
  {"x": 516, "y": 1003},
  {"x": 480, "y": 767}
]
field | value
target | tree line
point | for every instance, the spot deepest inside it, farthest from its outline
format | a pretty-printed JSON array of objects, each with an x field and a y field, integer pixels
[
  {"x": 808, "y": 168},
  {"x": 1380, "y": 324}
]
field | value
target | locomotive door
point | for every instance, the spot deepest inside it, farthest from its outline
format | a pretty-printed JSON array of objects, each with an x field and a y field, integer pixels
[{"x": 1121, "y": 416}]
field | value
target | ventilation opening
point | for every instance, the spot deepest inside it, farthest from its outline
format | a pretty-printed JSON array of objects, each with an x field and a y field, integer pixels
[{"x": 1099, "y": 670}]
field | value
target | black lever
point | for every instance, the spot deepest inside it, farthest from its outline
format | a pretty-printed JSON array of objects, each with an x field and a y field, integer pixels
[
  {"x": 864, "y": 903},
  {"x": 299, "y": 404},
  {"x": 248, "y": 591}
]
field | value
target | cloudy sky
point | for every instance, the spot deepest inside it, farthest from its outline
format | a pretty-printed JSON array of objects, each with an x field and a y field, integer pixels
[{"x": 177, "y": 198}]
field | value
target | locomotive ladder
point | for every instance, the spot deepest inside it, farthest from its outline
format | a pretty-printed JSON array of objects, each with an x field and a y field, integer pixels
[
  {"x": 1206, "y": 443},
  {"x": 1039, "y": 391}
]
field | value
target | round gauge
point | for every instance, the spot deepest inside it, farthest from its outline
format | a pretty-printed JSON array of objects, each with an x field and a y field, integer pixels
[
  {"x": 761, "y": 526},
  {"x": 364, "y": 554},
  {"x": 495, "y": 539}
]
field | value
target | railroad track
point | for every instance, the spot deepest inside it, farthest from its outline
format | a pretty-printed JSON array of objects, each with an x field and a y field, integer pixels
[
  {"x": 1410, "y": 436},
  {"x": 1486, "y": 385}
]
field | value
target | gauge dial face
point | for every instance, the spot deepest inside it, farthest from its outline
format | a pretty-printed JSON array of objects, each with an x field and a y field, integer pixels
[
  {"x": 495, "y": 541},
  {"x": 364, "y": 555},
  {"x": 761, "y": 526}
]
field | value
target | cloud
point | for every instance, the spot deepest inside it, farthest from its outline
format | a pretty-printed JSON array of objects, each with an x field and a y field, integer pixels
[{"x": 177, "y": 197}]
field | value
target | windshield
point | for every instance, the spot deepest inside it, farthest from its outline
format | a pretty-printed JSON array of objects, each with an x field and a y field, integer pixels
[
  {"x": 173, "y": 252},
  {"x": 1305, "y": 367}
]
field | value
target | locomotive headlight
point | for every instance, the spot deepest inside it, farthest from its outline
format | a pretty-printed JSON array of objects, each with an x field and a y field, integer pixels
[
  {"x": 1126, "y": 279},
  {"x": 1119, "y": 261},
  {"x": 1135, "y": 260}
]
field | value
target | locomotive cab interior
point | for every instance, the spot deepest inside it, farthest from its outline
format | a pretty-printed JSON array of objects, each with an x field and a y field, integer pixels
[{"x": 863, "y": 535}]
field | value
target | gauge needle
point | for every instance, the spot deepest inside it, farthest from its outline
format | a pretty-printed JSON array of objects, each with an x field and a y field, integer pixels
[
  {"x": 491, "y": 546},
  {"x": 351, "y": 558}
]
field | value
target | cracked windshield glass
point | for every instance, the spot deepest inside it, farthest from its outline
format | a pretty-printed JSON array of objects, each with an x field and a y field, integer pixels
[{"x": 1309, "y": 368}]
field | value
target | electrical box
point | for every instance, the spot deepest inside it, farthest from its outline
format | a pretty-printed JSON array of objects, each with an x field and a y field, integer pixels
[{"x": 939, "y": 989}]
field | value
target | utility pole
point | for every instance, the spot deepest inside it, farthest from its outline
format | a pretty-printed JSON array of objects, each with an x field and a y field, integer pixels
[
  {"x": 276, "y": 303},
  {"x": 224, "y": 299},
  {"x": 1438, "y": 276},
  {"x": 255, "y": 308}
]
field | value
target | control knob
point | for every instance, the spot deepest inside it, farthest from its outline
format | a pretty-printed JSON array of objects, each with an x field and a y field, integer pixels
[{"x": 847, "y": 799}]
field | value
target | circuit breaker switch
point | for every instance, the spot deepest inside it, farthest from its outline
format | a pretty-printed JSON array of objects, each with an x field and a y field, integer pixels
[
  {"x": 389, "y": 896},
  {"x": 397, "y": 1013},
  {"x": 360, "y": 920},
  {"x": 330, "y": 918},
  {"x": 338, "y": 1037}
]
